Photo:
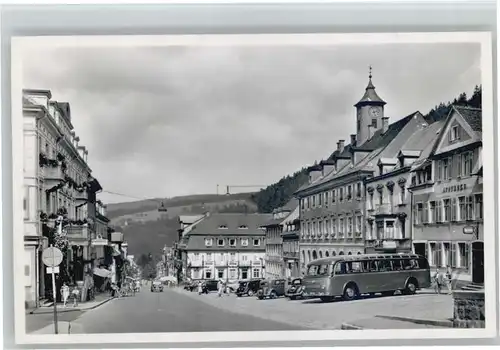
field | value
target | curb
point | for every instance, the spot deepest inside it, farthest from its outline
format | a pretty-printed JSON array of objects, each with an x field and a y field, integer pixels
[
  {"x": 347, "y": 326},
  {"x": 438, "y": 323},
  {"x": 61, "y": 310}
]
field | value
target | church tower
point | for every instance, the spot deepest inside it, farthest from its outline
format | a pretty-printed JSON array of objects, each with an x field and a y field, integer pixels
[{"x": 369, "y": 112}]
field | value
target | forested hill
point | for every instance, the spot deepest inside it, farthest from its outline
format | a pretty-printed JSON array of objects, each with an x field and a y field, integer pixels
[{"x": 279, "y": 193}]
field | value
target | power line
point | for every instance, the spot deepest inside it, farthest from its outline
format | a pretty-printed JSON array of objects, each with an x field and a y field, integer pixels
[{"x": 129, "y": 196}]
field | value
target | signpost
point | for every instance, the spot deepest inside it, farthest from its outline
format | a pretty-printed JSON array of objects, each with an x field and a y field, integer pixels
[{"x": 52, "y": 257}]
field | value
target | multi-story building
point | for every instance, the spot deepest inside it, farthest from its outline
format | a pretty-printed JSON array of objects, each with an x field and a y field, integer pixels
[
  {"x": 226, "y": 246},
  {"x": 332, "y": 204},
  {"x": 447, "y": 187},
  {"x": 290, "y": 236},
  {"x": 274, "y": 244},
  {"x": 100, "y": 241},
  {"x": 57, "y": 182},
  {"x": 388, "y": 201}
]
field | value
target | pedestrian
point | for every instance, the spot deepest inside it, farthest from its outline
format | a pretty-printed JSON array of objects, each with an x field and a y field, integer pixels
[
  {"x": 220, "y": 287},
  {"x": 75, "y": 293},
  {"x": 200, "y": 288},
  {"x": 64, "y": 293},
  {"x": 438, "y": 281},
  {"x": 449, "y": 276}
]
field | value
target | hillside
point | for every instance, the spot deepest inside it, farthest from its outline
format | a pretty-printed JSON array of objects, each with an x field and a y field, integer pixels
[{"x": 147, "y": 230}]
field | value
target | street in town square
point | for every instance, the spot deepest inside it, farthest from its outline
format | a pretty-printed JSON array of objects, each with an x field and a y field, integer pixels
[{"x": 178, "y": 310}]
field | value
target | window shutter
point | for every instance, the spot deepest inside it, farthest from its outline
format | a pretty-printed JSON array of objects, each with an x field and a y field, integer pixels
[{"x": 426, "y": 213}]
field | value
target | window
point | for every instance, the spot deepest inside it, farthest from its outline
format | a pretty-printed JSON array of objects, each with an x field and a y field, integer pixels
[
  {"x": 256, "y": 273},
  {"x": 358, "y": 224},
  {"x": 446, "y": 168},
  {"x": 453, "y": 209},
  {"x": 432, "y": 212},
  {"x": 256, "y": 242},
  {"x": 196, "y": 256},
  {"x": 334, "y": 196},
  {"x": 358, "y": 190},
  {"x": 341, "y": 194},
  {"x": 320, "y": 199},
  {"x": 374, "y": 123},
  {"x": 334, "y": 227},
  {"x": 419, "y": 218},
  {"x": 209, "y": 256},
  {"x": 319, "y": 270},
  {"x": 463, "y": 251},
  {"x": 308, "y": 203},
  {"x": 447, "y": 254},
  {"x": 220, "y": 273},
  {"x": 208, "y": 274},
  {"x": 222, "y": 227},
  {"x": 370, "y": 266},
  {"x": 461, "y": 209},
  {"x": 371, "y": 200},
  {"x": 220, "y": 242},
  {"x": 465, "y": 167},
  {"x": 326, "y": 198},
  {"x": 302, "y": 204},
  {"x": 244, "y": 242},
  {"x": 478, "y": 206},
  {"x": 232, "y": 257},
  {"x": 435, "y": 254},
  {"x": 349, "y": 192},
  {"x": 354, "y": 267},
  {"x": 232, "y": 242},
  {"x": 469, "y": 208},
  {"x": 208, "y": 242},
  {"x": 349, "y": 226},
  {"x": 320, "y": 228},
  {"x": 243, "y": 227},
  {"x": 314, "y": 201},
  {"x": 341, "y": 227},
  {"x": 439, "y": 211},
  {"x": 327, "y": 228},
  {"x": 389, "y": 229},
  {"x": 384, "y": 265},
  {"x": 454, "y": 133}
]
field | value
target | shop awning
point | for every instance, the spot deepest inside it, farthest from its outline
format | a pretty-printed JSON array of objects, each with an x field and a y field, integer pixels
[{"x": 104, "y": 273}]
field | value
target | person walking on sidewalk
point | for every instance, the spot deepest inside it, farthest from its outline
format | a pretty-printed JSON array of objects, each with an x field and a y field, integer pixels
[
  {"x": 65, "y": 293},
  {"x": 220, "y": 288},
  {"x": 438, "y": 281},
  {"x": 200, "y": 288}
]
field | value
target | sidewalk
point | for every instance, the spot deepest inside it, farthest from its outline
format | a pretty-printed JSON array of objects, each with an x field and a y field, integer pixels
[
  {"x": 63, "y": 327},
  {"x": 88, "y": 305}
]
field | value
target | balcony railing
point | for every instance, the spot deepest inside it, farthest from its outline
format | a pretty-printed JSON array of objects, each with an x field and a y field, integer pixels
[
  {"x": 80, "y": 232},
  {"x": 292, "y": 255},
  {"x": 53, "y": 176},
  {"x": 384, "y": 209}
]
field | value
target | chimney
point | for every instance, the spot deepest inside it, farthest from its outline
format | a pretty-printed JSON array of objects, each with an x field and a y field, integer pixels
[
  {"x": 340, "y": 146},
  {"x": 85, "y": 154},
  {"x": 77, "y": 139},
  {"x": 353, "y": 139},
  {"x": 385, "y": 124}
]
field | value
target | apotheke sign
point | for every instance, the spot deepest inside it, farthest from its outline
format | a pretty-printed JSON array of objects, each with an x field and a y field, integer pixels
[{"x": 455, "y": 188}]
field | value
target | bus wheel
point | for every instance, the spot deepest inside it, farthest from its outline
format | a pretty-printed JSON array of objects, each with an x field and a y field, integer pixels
[
  {"x": 411, "y": 287},
  {"x": 350, "y": 292}
]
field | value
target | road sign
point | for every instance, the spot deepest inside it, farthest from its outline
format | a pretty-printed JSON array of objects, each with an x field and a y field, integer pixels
[
  {"x": 50, "y": 269},
  {"x": 52, "y": 256}
]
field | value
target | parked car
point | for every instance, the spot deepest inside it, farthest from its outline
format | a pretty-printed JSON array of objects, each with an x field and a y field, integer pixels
[
  {"x": 249, "y": 288},
  {"x": 156, "y": 286},
  {"x": 209, "y": 286},
  {"x": 295, "y": 290},
  {"x": 232, "y": 286},
  {"x": 271, "y": 289}
]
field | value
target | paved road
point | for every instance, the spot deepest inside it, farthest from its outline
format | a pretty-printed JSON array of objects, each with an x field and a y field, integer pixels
[
  {"x": 37, "y": 321},
  {"x": 168, "y": 312}
]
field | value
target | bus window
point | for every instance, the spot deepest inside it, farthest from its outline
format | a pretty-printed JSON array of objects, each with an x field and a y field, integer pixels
[
  {"x": 384, "y": 265},
  {"x": 406, "y": 264},
  {"x": 323, "y": 270},
  {"x": 355, "y": 267},
  {"x": 318, "y": 270},
  {"x": 370, "y": 266},
  {"x": 414, "y": 264},
  {"x": 423, "y": 263},
  {"x": 340, "y": 268},
  {"x": 396, "y": 264}
]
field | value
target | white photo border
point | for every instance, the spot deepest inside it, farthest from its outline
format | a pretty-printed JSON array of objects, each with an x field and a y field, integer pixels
[{"x": 19, "y": 44}]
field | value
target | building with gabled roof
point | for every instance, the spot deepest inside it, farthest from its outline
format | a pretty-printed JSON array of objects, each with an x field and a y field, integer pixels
[
  {"x": 447, "y": 187},
  {"x": 227, "y": 246},
  {"x": 332, "y": 203}
]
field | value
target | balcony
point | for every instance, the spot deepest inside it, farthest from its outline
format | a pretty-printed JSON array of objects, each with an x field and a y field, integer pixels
[
  {"x": 291, "y": 255},
  {"x": 245, "y": 263},
  {"x": 78, "y": 233},
  {"x": 383, "y": 210},
  {"x": 81, "y": 197},
  {"x": 53, "y": 176},
  {"x": 99, "y": 242},
  {"x": 389, "y": 244},
  {"x": 256, "y": 263}
]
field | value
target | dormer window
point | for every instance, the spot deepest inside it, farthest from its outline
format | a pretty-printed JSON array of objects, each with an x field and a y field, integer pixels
[
  {"x": 454, "y": 133},
  {"x": 222, "y": 227},
  {"x": 220, "y": 242},
  {"x": 208, "y": 242},
  {"x": 256, "y": 242},
  {"x": 232, "y": 242},
  {"x": 244, "y": 242},
  {"x": 243, "y": 227}
]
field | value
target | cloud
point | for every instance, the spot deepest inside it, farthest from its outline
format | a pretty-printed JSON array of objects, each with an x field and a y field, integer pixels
[{"x": 168, "y": 121}]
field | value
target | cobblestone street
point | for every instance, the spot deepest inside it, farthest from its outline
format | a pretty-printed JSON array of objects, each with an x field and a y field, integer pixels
[{"x": 315, "y": 314}]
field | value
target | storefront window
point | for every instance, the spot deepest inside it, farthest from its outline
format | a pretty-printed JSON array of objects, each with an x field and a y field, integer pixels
[{"x": 435, "y": 254}]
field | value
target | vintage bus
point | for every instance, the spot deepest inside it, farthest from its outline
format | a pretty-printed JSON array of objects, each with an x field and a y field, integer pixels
[{"x": 350, "y": 276}]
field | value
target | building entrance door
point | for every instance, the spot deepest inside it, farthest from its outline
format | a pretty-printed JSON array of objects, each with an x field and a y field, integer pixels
[{"x": 478, "y": 262}]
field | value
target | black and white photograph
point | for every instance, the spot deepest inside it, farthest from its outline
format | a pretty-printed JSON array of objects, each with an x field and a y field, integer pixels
[{"x": 280, "y": 186}]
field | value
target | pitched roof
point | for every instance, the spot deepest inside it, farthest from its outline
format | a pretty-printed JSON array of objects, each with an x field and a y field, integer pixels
[
  {"x": 427, "y": 142},
  {"x": 473, "y": 116},
  {"x": 231, "y": 224},
  {"x": 370, "y": 96}
]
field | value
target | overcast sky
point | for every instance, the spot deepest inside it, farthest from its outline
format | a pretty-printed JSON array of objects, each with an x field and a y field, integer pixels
[{"x": 162, "y": 122}]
